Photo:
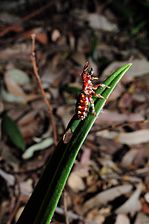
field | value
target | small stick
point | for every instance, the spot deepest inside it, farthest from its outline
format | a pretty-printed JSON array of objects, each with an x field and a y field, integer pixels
[
  {"x": 65, "y": 208},
  {"x": 35, "y": 68}
]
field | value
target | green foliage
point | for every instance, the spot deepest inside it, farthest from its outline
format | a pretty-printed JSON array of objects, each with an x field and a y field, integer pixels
[
  {"x": 12, "y": 131},
  {"x": 45, "y": 197}
]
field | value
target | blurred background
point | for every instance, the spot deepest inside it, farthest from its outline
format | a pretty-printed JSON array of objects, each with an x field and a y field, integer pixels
[{"x": 109, "y": 183}]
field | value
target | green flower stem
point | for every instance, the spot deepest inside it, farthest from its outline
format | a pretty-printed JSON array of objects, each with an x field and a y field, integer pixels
[{"x": 42, "y": 204}]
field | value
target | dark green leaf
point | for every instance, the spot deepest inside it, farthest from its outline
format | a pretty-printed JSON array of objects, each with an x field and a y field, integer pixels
[
  {"x": 44, "y": 199},
  {"x": 10, "y": 128}
]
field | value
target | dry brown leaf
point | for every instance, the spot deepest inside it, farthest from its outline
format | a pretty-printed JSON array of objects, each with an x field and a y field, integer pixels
[
  {"x": 114, "y": 116},
  {"x": 27, "y": 118},
  {"x": 17, "y": 52},
  {"x": 130, "y": 138},
  {"x": 14, "y": 79},
  {"x": 105, "y": 196},
  {"x": 129, "y": 157},
  {"x": 14, "y": 88},
  {"x": 8, "y": 177},
  {"x": 139, "y": 67},
  {"x": 100, "y": 22},
  {"x": 31, "y": 129}
]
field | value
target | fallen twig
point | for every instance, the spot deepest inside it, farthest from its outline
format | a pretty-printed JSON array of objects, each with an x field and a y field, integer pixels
[{"x": 35, "y": 68}]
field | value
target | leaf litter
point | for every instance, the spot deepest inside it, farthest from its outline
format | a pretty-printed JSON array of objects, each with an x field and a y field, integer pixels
[{"x": 110, "y": 178}]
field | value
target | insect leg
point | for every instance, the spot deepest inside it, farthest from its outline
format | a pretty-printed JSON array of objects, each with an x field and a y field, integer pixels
[
  {"x": 97, "y": 95},
  {"x": 102, "y": 85}
]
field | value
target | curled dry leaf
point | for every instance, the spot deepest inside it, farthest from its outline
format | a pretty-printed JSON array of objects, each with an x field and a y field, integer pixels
[
  {"x": 105, "y": 196},
  {"x": 37, "y": 147},
  {"x": 131, "y": 138}
]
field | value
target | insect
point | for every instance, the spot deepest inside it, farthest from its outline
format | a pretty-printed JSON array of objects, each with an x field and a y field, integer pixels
[{"x": 85, "y": 98}]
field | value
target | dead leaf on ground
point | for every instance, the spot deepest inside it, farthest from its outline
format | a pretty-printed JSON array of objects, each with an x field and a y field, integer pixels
[
  {"x": 139, "y": 67},
  {"x": 97, "y": 21},
  {"x": 8, "y": 177},
  {"x": 106, "y": 196},
  {"x": 114, "y": 116},
  {"x": 133, "y": 204},
  {"x": 122, "y": 219},
  {"x": 76, "y": 183},
  {"x": 37, "y": 147},
  {"x": 130, "y": 138}
]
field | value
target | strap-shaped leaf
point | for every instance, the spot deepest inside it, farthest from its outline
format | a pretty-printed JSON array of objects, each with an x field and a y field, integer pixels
[{"x": 44, "y": 199}]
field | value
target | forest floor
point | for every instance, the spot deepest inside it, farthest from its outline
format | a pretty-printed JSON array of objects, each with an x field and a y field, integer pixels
[{"x": 109, "y": 183}]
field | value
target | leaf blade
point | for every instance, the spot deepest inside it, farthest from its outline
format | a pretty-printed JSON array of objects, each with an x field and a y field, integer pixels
[
  {"x": 53, "y": 180},
  {"x": 12, "y": 131}
]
